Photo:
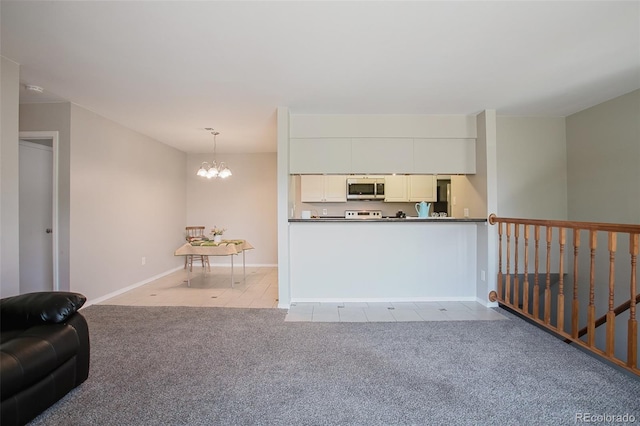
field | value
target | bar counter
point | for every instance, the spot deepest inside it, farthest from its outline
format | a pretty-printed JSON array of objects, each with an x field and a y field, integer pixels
[
  {"x": 335, "y": 259},
  {"x": 334, "y": 219}
]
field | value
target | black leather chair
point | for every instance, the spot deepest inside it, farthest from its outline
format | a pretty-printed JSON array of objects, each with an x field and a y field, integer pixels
[{"x": 44, "y": 352}]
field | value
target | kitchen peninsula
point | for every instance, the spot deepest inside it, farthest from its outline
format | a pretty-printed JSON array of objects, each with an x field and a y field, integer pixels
[
  {"x": 333, "y": 259},
  {"x": 383, "y": 260}
]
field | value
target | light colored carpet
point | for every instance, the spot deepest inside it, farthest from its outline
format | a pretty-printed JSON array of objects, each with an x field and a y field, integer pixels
[{"x": 225, "y": 366}]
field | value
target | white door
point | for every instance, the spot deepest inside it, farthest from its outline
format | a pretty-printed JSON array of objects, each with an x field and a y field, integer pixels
[{"x": 36, "y": 217}]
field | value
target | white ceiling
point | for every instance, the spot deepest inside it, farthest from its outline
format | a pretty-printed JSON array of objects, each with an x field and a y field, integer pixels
[{"x": 170, "y": 69}]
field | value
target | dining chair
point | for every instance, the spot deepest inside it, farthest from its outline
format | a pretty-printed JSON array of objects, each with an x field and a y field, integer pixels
[{"x": 194, "y": 233}]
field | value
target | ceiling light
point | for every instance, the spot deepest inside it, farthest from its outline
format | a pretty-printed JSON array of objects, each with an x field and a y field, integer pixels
[
  {"x": 213, "y": 170},
  {"x": 32, "y": 88}
]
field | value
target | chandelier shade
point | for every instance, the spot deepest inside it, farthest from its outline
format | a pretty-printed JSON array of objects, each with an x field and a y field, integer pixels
[{"x": 214, "y": 170}]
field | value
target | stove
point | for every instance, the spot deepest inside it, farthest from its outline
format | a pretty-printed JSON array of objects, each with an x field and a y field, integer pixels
[{"x": 363, "y": 214}]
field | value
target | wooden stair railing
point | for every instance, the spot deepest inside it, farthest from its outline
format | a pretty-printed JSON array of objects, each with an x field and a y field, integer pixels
[
  {"x": 514, "y": 295},
  {"x": 603, "y": 319}
]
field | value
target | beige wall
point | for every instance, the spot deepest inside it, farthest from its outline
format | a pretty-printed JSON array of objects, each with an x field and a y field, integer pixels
[
  {"x": 128, "y": 201},
  {"x": 55, "y": 117},
  {"x": 532, "y": 167},
  {"x": 603, "y": 174},
  {"x": 245, "y": 204},
  {"x": 9, "y": 255},
  {"x": 603, "y": 169}
]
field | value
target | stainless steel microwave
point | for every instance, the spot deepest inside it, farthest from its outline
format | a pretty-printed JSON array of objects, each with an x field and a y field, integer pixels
[{"x": 365, "y": 188}]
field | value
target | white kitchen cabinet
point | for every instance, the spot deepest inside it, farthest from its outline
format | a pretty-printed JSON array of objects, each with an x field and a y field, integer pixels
[
  {"x": 381, "y": 155},
  {"x": 422, "y": 187},
  {"x": 320, "y": 155},
  {"x": 323, "y": 188},
  {"x": 401, "y": 188},
  {"x": 444, "y": 156},
  {"x": 395, "y": 189}
]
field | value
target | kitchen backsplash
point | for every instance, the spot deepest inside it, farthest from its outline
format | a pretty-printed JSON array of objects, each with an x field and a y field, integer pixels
[{"x": 338, "y": 209}]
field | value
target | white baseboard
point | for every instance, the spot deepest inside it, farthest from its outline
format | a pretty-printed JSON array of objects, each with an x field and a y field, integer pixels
[
  {"x": 487, "y": 303},
  {"x": 131, "y": 287},
  {"x": 383, "y": 300},
  {"x": 282, "y": 305},
  {"x": 248, "y": 265}
]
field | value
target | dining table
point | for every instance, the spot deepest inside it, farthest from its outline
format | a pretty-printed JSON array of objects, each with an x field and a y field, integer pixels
[{"x": 210, "y": 248}]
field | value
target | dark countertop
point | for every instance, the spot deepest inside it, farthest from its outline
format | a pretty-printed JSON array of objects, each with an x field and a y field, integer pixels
[{"x": 334, "y": 219}]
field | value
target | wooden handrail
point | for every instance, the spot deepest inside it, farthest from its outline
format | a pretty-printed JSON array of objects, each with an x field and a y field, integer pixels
[
  {"x": 548, "y": 308},
  {"x": 595, "y": 226}
]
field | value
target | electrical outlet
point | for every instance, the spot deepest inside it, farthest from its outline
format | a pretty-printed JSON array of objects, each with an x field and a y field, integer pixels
[
  {"x": 324, "y": 212},
  {"x": 466, "y": 212},
  {"x": 483, "y": 275},
  {"x": 454, "y": 200},
  {"x": 144, "y": 260}
]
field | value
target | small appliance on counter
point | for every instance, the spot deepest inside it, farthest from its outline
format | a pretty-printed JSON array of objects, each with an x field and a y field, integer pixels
[
  {"x": 363, "y": 214},
  {"x": 422, "y": 208}
]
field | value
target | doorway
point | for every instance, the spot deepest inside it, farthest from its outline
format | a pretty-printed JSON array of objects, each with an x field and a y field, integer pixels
[{"x": 38, "y": 212}]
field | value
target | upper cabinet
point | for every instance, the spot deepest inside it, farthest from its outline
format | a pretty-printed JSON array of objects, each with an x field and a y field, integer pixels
[
  {"x": 403, "y": 188},
  {"x": 444, "y": 156},
  {"x": 395, "y": 189},
  {"x": 320, "y": 155},
  {"x": 381, "y": 155},
  {"x": 323, "y": 188}
]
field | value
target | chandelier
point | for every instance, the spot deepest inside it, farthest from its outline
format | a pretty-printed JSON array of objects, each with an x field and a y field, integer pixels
[{"x": 214, "y": 170}]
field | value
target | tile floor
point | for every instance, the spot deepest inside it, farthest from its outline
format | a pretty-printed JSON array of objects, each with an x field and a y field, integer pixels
[
  {"x": 391, "y": 312},
  {"x": 207, "y": 289},
  {"x": 213, "y": 289}
]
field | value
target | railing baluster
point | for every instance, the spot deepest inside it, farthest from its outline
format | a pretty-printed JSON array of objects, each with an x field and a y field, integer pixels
[
  {"x": 547, "y": 288},
  {"x": 562, "y": 241},
  {"x": 536, "y": 287},
  {"x": 632, "y": 331},
  {"x": 591, "y": 310},
  {"x": 611, "y": 316},
  {"x": 500, "y": 294},
  {"x": 525, "y": 289},
  {"x": 507, "y": 294},
  {"x": 575, "y": 317},
  {"x": 516, "y": 286}
]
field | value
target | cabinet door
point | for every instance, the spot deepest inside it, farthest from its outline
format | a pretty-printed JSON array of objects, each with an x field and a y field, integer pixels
[
  {"x": 423, "y": 188},
  {"x": 311, "y": 188},
  {"x": 323, "y": 189},
  {"x": 444, "y": 156},
  {"x": 335, "y": 189},
  {"x": 320, "y": 155},
  {"x": 381, "y": 155},
  {"x": 395, "y": 188}
]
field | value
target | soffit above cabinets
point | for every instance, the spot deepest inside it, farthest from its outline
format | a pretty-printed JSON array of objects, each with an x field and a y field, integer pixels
[
  {"x": 383, "y": 126},
  {"x": 382, "y": 156}
]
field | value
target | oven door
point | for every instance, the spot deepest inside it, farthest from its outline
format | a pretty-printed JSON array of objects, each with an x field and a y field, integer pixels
[{"x": 361, "y": 189}]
